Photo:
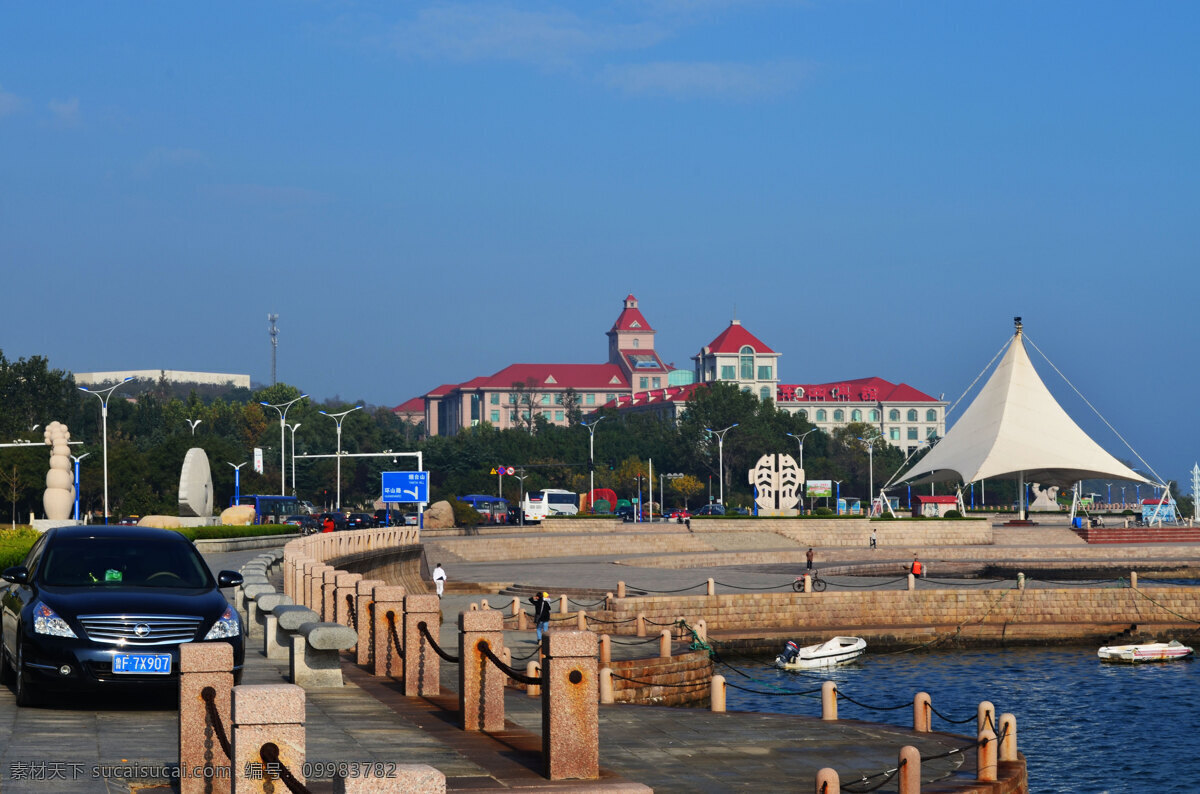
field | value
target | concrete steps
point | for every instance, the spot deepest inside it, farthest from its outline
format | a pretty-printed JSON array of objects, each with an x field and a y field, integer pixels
[{"x": 1138, "y": 534}]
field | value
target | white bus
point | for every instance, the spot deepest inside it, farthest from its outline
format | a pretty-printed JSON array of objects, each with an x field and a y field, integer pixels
[{"x": 550, "y": 502}]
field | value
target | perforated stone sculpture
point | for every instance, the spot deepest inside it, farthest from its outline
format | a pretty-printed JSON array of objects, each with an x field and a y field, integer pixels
[
  {"x": 195, "y": 485},
  {"x": 60, "y": 484},
  {"x": 1045, "y": 498},
  {"x": 777, "y": 479}
]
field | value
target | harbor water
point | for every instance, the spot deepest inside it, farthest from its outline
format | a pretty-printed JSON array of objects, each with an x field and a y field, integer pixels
[{"x": 1084, "y": 726}]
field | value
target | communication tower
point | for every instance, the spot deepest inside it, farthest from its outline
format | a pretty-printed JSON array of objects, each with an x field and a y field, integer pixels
[{"x": 274, "y": 343}]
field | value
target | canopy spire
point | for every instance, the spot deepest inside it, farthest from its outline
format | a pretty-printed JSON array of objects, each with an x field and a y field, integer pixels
[{"x": 1017, "y": 323}]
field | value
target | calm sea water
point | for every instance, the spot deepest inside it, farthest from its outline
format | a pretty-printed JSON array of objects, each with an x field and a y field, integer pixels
[{"x": 1083, "y": 726}]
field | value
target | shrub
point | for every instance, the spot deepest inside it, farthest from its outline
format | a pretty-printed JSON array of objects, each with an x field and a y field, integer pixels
[
  {"x": 464, "y": 514},
  {"x": 952, "y": 514},
  {"x": 823, "y": 511}
]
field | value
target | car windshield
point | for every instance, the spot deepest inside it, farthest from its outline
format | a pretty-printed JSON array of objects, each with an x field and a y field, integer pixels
[{"x": 121, "y": 562}]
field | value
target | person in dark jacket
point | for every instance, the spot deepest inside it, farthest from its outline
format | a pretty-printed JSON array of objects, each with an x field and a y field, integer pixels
[{"x": 541, "y": 614}]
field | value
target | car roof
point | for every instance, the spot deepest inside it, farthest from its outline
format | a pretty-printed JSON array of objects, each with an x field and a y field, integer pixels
[{"x": 118, "y": 532}]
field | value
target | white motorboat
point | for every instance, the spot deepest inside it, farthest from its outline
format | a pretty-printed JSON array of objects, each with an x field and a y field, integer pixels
[
  {"x": 824, "y": 654},
  {"x": 1145, "y": 652}
]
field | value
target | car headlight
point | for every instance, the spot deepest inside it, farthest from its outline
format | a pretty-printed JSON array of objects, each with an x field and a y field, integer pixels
[
  {"x": 47, "y": 621},
  {"x": 227, "y": 626}
]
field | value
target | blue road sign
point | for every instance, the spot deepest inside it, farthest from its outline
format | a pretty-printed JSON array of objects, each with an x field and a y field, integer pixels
[{"x": 406, "y": 486}]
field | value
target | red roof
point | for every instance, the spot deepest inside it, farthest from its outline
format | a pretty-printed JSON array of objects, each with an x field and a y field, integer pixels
[
  {"x": 630, "y": 318},
  {"x": 442, "y": 390},
  {"x": 857, "y": 390},
  {"x": 413, "y": 406},
  {"x": 734, "y": 338},
  {"x": 935, "y": 500},
  {"x": 594, "y": 377},
  {"x": 669, "y": 394}
]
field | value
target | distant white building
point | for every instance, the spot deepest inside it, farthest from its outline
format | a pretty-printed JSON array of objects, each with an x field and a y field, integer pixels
[{"x": 93, "y": 379}]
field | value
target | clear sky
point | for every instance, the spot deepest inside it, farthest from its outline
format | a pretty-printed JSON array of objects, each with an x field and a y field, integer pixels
[{"x": 426, "y": 192}]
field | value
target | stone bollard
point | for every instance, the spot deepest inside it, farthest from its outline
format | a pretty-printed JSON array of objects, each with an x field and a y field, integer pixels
[
  {"x": 1133, "y": 579},
  {"x": 1020, "y": 581},
  {"x": 1008, "y": 742},
  {"x": 620, "y": 589},
  {"x": 421, "y": 662},
  {"x": 562, "y": 605},
  {"x": 829, "y": 701},
  {"x": 205, "y": 674},
  {"x": 388, "y": 630},
  {"x": 716, "y": 693},
  {"x": 533, "y": 670},
  {"x": 807, "y": 583},
  {"x": 570, "y": 709},
  {"x": 480, "y": 682},
  {"x": 329, "y": 594},
  {"x": 364, "y": 619},
  {"x": 828, "y": 782},
  {"x": 483, "y": 604},
  {"x": 985, "y": 757},
  {"x": 712, "y": 587},
  {"x": 641, "y": 624},
  {"x": 516, "y": 606},
  {"x": 606, "y": 686},
  {"x": 702, "y": 629},
  {"x": 985, "y": 716},
  {"x": 266, "y": 715},
  {"x": 909, "y": 768},
  {"x": 474, "y": 607},
  {"x": 664, "y": 644},
  {"x": 609, "y": 601},
  {"x": 522, "y": 623},
  {"x": 912, "y": 582},
  {"x": 581, "y": 621},
  {"x": 605, "y": 649},
  {"x": 922, "y": 713},
  {"x": 345, "y": 593},
  {"x": 389, "y": 778}
]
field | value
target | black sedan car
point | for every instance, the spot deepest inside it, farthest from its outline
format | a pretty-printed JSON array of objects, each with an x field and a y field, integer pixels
[
  {"x": 360, "y": 521},
  {"x": 98, "y": 608}
]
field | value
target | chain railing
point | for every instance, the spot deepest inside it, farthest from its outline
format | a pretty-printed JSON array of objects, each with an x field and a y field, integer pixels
[
  {"x": 269, "y": 753},
  {"x": 424, "y": 629},
  {"x": 212, "y": 719},
  {"x": 486, "y": 649}
]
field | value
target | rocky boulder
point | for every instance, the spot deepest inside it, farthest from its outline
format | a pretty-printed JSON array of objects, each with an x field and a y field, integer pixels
[
  {"x": 238, "y": 516},
  {"x": 439, "y": 515},
  {"x": 160, "y": 522}
]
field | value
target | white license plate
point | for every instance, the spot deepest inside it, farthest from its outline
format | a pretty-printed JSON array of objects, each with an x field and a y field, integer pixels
[{"x": 142, "y": 663}]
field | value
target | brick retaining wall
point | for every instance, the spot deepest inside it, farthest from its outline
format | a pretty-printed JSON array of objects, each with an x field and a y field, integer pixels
[{"x": 665, "y": 677}]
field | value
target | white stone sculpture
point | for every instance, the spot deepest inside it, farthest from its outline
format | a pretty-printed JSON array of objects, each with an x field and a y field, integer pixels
[
  {"x": 778, "y": 480},
  {"x": 195, "y": 485},
  {"x": 1045, "y": 498},
  {"x": 60, "y": 483}
]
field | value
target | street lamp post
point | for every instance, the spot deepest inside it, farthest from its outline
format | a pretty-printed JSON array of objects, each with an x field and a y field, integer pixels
[
  {"x": 103, "y": 396},
  {"x": 720, "y": 434},
  {"x": 294, "y": 428},
  {"x": 237, "y": 480},
  {"x": 800, "y": 441},
  {"x": 193, "y": 423},
  {"x": 282, "y": 409},
  {"x": 871, "y": 464},
  {"x": 77, "y": 459},
  {"x": 338, "y": 418},
  {"x": 1109, "y": 484},
  {"x": 837, "y": 505},
  {"x": 591, "y": 426}
]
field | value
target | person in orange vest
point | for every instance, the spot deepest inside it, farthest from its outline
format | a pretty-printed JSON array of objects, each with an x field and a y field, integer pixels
[{"x": 917, "y": 568}]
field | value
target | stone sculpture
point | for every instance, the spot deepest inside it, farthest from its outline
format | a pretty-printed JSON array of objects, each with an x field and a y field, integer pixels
[
  {"x": 195, "y": 485},
  {"x": 1045, "y": 498},
  {"x": 777, "y": 480},
  {"x": 60, "y": 483}
]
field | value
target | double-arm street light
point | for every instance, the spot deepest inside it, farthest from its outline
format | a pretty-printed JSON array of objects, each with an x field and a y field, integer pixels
[
  {"x": 77, "y": 459},
  {"x": 237, "y": 480},
  {"x": 338, "y": 418},
  {"x": 800, "y": 441},
  {"x": 193, "y": 423},
  {"x": 103, "y": 395},
  {"x": 294, "y": 428},
  {"x": 870, "y": 442},
  {"x": 720, "y": 434},
  {"x": 282, "y": 409},
  {"x": 591, "y": 426}
]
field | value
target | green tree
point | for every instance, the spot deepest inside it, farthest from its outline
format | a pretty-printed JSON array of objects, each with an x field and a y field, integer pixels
[{"x": 686, "y": 486}]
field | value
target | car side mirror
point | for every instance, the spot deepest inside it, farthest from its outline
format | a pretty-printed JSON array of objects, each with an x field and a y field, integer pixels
[
  {"x": 229, "y": 579},
  {"x": 18, "y": 574}
]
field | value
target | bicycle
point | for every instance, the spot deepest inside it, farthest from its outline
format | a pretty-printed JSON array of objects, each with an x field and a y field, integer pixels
[{"x": 818, "y": 584}]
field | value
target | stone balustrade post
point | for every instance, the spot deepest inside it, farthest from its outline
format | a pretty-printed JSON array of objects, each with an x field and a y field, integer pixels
[
  {"x": 270, "y": 714},
  {"x": 912, "y": 582},
  {"x": 620, "y": 589},
  {"x": 562, "y": 605},
  {"x": 712, "y": 587},
  {"x": 909, "y": 771},
  {"x": 298, "y": 573},
  {"x": 985, "y": 716},
  {"x": 1008, "y": 744},
  {"x": 289, "y": 572},
  {"x": 664, "y": 644},
  {"x": 828, "y": 782},
  {"x": 605, "y": 649},
  {"x": 364, "y": 619},
  {"x": 387, "y": 628},
  {"x": 205, "y": 673},
  {"x": 306, "y": 584},
  {"x": 829, "y": 709},
  {"x": 716, "y": 693},
  {"x": 480, "y": 682},
  {"x": 985, "y": 756},
  {"x": 345, "y": 593},
  {"x": 581, "y": 620},
  {"x": 328, "y": 608},
  {"x": 606, "y": 686},
  {"x": 316, "y": 588},
  {"x": 516, "y": 606},
  {"x": 641, "y": 624},
  {"x": 421, "y": 662},
  {"x": 570, "y": 708},
  {"x": 533, "y": 670},
  {"x": 922, "y": 713}
]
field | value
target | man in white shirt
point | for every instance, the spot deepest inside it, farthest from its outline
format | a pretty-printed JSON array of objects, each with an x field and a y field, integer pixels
[{"x": 439, "y": 579}]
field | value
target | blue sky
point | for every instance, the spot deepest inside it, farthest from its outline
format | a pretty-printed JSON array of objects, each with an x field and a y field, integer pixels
[{"x": 426, "y": 192}]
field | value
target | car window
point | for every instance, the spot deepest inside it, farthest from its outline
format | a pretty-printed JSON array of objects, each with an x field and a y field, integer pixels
[
  {"x": 35, "y": 554},
  {"x": 121, "y": 562}
]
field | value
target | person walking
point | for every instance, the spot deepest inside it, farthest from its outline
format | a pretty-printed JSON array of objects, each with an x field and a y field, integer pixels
[
  {"x": 541, "y": 614},
  {"x": 809, "y": 557},
  {"x": 439, "y": 579},
  {"x": 873, "y": 537}
]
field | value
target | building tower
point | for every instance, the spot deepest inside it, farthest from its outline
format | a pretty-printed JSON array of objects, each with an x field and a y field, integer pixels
[{"x": 274, "y": 343}]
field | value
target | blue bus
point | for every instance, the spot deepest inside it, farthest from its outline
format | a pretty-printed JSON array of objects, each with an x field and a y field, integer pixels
[
  {"x": 270, "y": 509},
  {"x": 494, "y": 509}
]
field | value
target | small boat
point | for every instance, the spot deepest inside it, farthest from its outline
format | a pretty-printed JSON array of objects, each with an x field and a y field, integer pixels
[
  {"x": 1146, "y": 652},
  {"x": 824, "y": 654}
]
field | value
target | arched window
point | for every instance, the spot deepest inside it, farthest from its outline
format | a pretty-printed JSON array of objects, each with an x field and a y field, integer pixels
[
  {"x": 874, "y": 415},
  {"x": 764, "y": 394},
  {"x": 839, "y": 415},
  {"x": 820, "y": 414},
  {"x": 931, "y": 415},
  {"x": 747, "y": 353},
  {"x": 856, "y": 415},
  {"x": 893, "y": 415},
  {"x": 803, "y": 414},
  {"x": 912, "y": 414}
]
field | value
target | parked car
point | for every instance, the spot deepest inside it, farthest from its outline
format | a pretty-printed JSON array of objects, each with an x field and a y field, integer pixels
[
  {"x": 359, "y": 521},
  {"x": 711, "y": 510},
  {"x": 99, "y": 609},
  {"x": 738, "y": 511},
  {"x": 382, "y": 519},
  {"x": 679, "y": 514},
  {"x": 307, "y": 524}
]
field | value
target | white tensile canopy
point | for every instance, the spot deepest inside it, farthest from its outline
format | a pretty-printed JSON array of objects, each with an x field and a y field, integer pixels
[{"x": 1016, "y": 429}]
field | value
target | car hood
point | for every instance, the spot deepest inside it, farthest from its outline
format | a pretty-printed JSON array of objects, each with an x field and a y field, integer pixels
[{"x": 73, "y": 601}]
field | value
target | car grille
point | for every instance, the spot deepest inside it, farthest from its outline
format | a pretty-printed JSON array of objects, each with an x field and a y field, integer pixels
[{"x": 141, "y": 629}]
